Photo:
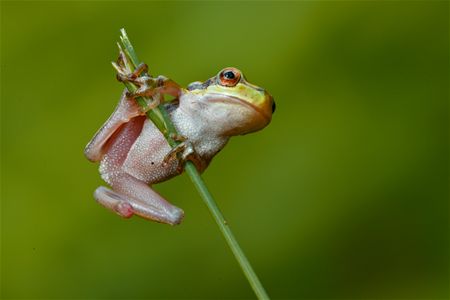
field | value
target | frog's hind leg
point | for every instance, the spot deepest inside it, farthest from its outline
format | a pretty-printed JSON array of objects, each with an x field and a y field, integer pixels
[
  {"x": 126, "y": 110},
  {"x": 130, "y": 195}
]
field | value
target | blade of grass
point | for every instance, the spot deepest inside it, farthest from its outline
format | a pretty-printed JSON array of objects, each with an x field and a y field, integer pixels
[{"x": 162, "y": 120}]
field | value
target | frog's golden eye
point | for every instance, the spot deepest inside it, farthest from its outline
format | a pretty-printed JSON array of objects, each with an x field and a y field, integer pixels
[{"x": 229, "y": 77}]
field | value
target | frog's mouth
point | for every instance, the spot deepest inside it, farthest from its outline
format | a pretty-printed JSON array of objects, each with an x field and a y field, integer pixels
[{"x": 231, "y": 99}]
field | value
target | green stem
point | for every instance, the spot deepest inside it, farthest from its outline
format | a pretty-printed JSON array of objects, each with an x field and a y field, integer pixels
[
  {"x": 226, "y": 231},
  {"x": 162, "y": 120}
]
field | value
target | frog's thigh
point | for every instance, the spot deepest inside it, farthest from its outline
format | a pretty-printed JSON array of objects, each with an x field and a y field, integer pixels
[{"x": 125, "y": 111}]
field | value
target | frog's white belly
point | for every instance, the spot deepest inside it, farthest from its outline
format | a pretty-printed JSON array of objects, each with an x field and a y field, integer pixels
[{"x": 145, "y": 158}]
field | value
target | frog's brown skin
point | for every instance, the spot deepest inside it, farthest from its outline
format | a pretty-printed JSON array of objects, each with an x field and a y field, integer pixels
[{"x": 131, "y": 150}]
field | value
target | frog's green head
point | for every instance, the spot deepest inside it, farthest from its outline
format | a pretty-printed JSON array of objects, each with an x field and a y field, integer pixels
[{"x": 247, "y": 107}]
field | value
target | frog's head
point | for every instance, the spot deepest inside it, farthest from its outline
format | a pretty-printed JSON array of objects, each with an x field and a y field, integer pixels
[{"x": 239, "y": 106}]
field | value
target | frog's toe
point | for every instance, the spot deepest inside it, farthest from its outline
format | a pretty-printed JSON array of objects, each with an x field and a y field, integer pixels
[
  {"x": 124, "y": 209},
  {"x": 177, "y": 216},
  {"x": 183, "y": 151}
]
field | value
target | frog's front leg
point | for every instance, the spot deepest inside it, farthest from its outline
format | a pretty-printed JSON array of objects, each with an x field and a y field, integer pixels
[
  {"x": 147, "y": 85},
  {"x": 183, "y": 152}
]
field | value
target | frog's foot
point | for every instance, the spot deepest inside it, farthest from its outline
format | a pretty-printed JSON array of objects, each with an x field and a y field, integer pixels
[
  {"x": 183, "y": 152},
  {"x": 127, "y": 207}
]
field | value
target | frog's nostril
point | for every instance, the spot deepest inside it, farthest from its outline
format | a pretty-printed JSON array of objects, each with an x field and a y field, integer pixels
[{"x": 273, "y": 106}]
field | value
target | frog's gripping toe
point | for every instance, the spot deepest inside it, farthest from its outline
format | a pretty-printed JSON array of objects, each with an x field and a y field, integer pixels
[
  {"x": 127, "y": 208},
  {"x": 183, "y": 152}
]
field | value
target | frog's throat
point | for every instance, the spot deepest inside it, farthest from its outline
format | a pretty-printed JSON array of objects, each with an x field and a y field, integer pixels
[{"x": 228, "y": 98}]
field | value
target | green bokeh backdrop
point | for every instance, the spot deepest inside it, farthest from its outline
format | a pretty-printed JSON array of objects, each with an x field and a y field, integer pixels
[{"x": 344, "y": 195}]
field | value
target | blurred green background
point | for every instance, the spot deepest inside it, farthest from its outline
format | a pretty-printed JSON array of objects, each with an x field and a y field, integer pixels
[{"x": 344, "y": 195}]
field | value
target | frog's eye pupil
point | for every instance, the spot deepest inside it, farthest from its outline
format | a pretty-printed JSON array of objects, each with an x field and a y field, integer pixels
[
  {"x": 273, "y": 106},
  {"x": 229, "y": 75}
]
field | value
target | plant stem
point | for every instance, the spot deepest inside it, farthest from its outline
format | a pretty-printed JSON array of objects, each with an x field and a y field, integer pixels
[
  {"x": 226, "y": 231},
  {"x": 162, "y": 120}
]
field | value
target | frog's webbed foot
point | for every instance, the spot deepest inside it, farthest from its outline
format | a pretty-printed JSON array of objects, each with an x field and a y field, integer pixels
[{"x": 183, "y": 152}]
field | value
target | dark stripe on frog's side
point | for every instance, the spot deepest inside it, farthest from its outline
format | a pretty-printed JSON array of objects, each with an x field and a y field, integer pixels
[{"x": 200, "y": 85}]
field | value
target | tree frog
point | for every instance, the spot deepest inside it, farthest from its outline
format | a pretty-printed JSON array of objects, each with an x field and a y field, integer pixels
[{"x": 134, "y": 154}]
